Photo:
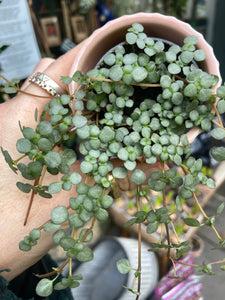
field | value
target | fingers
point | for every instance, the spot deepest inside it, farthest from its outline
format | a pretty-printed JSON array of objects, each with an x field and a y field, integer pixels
[{"x": 55, "y": 70}]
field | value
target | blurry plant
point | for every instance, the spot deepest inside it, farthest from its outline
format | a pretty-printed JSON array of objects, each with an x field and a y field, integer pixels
[
  {"x": 137, "y": 106},
  {"x": 172, "y": 7},
  {"x": 85, "y": 6},
  {"x": 2, "y": 93},
  {"x": 169, "y": 7}
]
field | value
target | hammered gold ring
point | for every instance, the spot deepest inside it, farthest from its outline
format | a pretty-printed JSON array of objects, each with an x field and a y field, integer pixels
[{"x": 47, "y": 84}]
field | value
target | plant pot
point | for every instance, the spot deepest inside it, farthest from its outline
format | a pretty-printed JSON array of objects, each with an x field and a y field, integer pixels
[{"x": 155, "y": 25}]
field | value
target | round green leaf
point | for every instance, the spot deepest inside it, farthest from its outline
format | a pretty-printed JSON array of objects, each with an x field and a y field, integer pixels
[
  {"x": 67, "y": 185},
  {"x": 23, "y": 145},
  {"x": 116, "y": 73},
  {"x": 101, "y": 215},
  {"x": 86, "y": 167},
  {"x": 156, "y": 149},
  {"x": 83, "y": 132},
  {"x": 190, "y": 90},
  {"x": 131, "y": 38},
  {"x": 191, "y": 39},
  {"x": 59, "y": 214},
  {"x": 88, "y": 204},
  {"x": 75, "y": 178},
  {"x": 109, "y": 59},
  {"x": 75, "y": 202},
  {"x": 130, "y": 58},
  {"x": 221, "y": 92},
  {"x": 66, "y": 98},
  {"x": 130, "y": 165},
  {"x": 67, "y": 243},
  {"x": 79, "y": 121},
  {"x": 107, "y": 201},
  {"x": 44, "y": 145},
  {"x": 139, "y": 74},
  {"x": 28, "y": 133},
  {"x": 52, "y": 159},
  {"x": 123, "y": 266},
  {"x": 79, "y": 105},
  {"x": 44, "y": 128},
  {"x": 35, "y": 233},
  {"x": 156, "y": 185},
  {"x": 174, "y": 68},
  {"x": 185, "y": 193},
  {"x": 206, "y": 124},
  {"x": 218, "y": 133},
  {"x": 199, "y": 55},
  {"x": 186, "y": 57},
  {"x": 123, "y": 154},
  {"x": 221, "y": 106},
  {"x": 24, "y": 246},
  {"x": 85, "y": 255},
  {"x": 171, "y": 56},
  {"x": 107, "y": 134},
  {"x": 138, "y": 27},
  {"x": 68, "y": 157},
  {"x": 82, "y": 188},
  {"x": 95, "y": 191},
  {"x": 138, "y": 177},
  {"x": 9, "y": 90},
  {"x": 165, "y": 81},
  {"x": 218, "y": 153},
  {"x": 75, "y": 221},
  {"x": 204, "y": 95},
  {"x": 55, "y": 187},
  {"x": 119, "y": 172},
  {"x": 58, "y": 235},
  {"x": 44, "y": 287},
  {"x": 211, "y": 183}
]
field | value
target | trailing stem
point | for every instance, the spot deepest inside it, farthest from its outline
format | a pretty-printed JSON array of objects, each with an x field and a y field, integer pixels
[
  {"x": 164, "y": 205},
  {"x": 18, "y": 90},
  {"x": 138, "y": 203},
  {"x": 122, "y": 82},
  {"x": 36, "y": 182},
  {"x": 202, "y": 210},
  {"x": 68, "y": 260}
]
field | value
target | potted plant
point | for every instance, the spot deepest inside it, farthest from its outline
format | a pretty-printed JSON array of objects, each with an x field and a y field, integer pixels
[{"x": 135, "y": 115}]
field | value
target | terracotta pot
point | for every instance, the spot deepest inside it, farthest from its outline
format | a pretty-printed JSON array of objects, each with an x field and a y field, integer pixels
[{"x": 155, "y": 25}]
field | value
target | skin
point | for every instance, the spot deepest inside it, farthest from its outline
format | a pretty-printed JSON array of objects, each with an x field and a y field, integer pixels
[{"x": 14, "y": 203}]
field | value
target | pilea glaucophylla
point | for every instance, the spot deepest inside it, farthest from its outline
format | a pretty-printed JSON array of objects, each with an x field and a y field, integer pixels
[{"x": 138, "y": 106}]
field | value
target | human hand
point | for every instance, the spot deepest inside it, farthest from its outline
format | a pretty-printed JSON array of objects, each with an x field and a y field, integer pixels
[{"x": 14, "y": 203}]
